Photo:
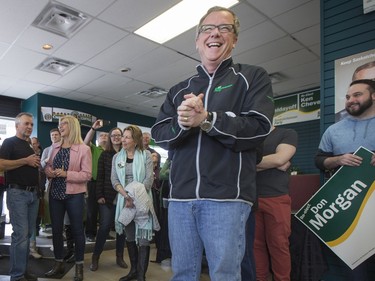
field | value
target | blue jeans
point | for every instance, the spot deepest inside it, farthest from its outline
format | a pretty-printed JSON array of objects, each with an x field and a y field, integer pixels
[
  {"x": 74, "y": 206},
  {"x": 107, "y": 217},
  {"x": 33, "y": 231},
  {"x": 248, "y": 270},
  {"x": 91, "y": 210},
  {"x": 22, "y": 213},
  {"x": 216, "y": 227}
]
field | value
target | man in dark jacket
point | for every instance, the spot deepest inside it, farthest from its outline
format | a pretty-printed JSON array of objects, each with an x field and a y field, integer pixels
[{"x": 213, "y": 121}]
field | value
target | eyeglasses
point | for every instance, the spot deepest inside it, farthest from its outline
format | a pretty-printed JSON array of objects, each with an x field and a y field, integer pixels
[
  {"x": 116, "y": 136},
  {"x": 223, "y": 28},
  {"x": 63, "y": 123}
]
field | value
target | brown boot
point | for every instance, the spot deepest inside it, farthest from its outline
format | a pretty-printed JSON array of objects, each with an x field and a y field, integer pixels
[
  {"x": 57, "y": 271},
  {"x": 120, "y": 261},
  {"x": 94, "y": 262},
  {"x": 79, "y": 272}
]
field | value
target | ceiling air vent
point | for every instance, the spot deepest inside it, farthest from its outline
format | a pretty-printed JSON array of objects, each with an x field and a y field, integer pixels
[
  {"x": 57, "y": 66},
  {"x": 60, "y": 20},
  {"x": 154, "y": 92},
  {"x": 276, "y": 77}
]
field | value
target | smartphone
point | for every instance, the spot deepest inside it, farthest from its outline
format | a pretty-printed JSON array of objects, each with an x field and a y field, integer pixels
[{"x": 105, "y": 123}]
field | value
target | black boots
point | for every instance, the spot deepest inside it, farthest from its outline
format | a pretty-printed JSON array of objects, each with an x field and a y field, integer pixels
[
  {"x": 143, "y": 259},
  {"x": 120, "y": 261},
  {"x": 57, "y": 271},
  {"x": 94, "y": 262},
  {"x": 79, "y": 272},
  {"x": 133, "y": 256},
  {"x": 70, "y": 256}
]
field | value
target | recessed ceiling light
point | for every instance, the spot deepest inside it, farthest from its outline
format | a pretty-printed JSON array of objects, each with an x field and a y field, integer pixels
[
  {"x": 178, "y": 19},
  {"x": 47, "y": 47}
]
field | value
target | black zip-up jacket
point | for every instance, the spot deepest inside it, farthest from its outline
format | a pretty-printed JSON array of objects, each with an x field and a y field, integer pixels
[
  {"x": 219, "y": 164},
  {"x": 104, "y": 188}
]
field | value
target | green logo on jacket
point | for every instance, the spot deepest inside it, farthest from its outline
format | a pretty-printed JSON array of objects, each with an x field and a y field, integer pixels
[{"x": 218, "y": 89}]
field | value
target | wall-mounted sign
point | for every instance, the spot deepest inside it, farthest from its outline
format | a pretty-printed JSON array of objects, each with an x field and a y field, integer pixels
[
  {"x": 295, "y": 108},
  {"x": 53, "y": 114}
]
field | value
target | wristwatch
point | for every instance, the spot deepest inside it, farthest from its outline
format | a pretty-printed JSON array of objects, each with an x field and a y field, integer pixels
[{"x": 206, "y": 124}]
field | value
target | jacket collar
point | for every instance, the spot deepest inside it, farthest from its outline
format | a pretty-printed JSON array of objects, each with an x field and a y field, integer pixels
[{"x": 225, "y": 64}]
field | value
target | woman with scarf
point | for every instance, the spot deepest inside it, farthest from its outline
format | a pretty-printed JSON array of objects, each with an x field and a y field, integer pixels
[{"x": 132, "y": 174}]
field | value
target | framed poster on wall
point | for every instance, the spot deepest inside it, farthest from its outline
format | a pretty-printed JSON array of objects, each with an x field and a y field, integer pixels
[{"x": 354, "y": 67}]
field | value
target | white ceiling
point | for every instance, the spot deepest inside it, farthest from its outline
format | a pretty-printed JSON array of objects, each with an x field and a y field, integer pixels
[{"x": 280, "y": 35}]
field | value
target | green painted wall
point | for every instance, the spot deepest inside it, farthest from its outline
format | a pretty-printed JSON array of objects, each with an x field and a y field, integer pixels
[{"x": 41, "y": 129}]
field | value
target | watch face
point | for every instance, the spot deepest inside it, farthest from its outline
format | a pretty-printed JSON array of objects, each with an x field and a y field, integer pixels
[{"x": 205, "y": 126}]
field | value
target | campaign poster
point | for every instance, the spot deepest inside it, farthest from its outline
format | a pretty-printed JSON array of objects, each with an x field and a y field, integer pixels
[
  {"x": 348, "y": 69},
  {"x": 341, "y": 212},
  {"x": 53, "y": 114},
  {"x": 298, "y": 107}
]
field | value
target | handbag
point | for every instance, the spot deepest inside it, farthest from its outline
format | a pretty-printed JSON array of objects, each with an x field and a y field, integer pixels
[{"x": 126, "y": 215}]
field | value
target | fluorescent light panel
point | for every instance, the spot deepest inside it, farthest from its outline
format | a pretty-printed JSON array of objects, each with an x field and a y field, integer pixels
[{"x": 179, "y": 18}]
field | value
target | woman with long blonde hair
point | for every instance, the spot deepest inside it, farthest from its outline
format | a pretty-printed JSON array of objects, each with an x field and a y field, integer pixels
[{"x": 69, "y": 170}]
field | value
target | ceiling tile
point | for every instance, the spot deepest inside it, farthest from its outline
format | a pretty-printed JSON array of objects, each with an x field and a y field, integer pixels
[
  {"x": 248, "y": 16},
  {"x": 78, "y": 78},
  {"x": 122, "y": 53},
  {"x": 290, "y": 60},
  {"x": 309, "y": 36},
  {"x": 42, "y": 77},
  {"x": 26, "y": 61},
  {"x": 184, "y": 43},
  {"x": 159, "y": 57},
  {"x": 130, "y": 88},
  {"x": 75, "y": 95},
  {"x": 104, "y": 84},
  {"x": 86, "y": 44},
  {"x": 302, "y": 70},
  {"x": 166, "y": 76},
  {"x": 23, "y": 89},
  {"x": 258, "y": 35},
  {"x": 16, "y": 16},
  {"x": 3, "y": 48},
  {"x": 306, "y": 16},
  {"x": 269, "y": 51},
  {"x": 54, "y": 91},
  {"x": 6, "y": 82},
  {"x": 34, "y": 38},
  {"x": 273, "y": 8}
]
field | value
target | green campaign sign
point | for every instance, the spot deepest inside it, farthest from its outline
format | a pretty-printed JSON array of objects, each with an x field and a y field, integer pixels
[
  {"x": 297, "y": 108},
  {"x": 341, "y": 212}
]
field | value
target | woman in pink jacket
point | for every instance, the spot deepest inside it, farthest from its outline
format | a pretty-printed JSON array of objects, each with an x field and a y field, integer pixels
[{"x": 69, "y": 170}]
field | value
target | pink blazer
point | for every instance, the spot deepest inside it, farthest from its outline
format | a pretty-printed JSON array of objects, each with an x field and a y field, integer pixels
[{"x": 80, "y": 167}]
